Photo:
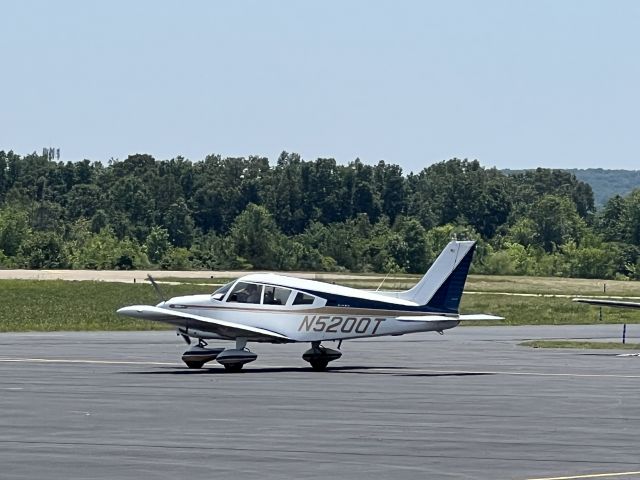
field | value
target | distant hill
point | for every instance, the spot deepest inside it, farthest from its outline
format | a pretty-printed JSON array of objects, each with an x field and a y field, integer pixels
[
  {"x": 608, "y": 183},
  {"x": 605, "y": 183}
]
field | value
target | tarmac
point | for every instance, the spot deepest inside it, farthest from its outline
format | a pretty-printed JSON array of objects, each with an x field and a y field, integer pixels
[{"x": 471, "y": 404}]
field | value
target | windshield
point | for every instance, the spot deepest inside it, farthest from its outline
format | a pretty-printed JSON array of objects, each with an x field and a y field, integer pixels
[{"x": 219, "y": 293}]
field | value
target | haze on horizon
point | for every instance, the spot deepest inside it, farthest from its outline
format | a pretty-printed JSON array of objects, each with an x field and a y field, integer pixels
[{"x": 513, "y": 84}]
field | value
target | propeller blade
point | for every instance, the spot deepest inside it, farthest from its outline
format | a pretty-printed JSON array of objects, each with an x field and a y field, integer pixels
[{"x": 156, "y": 288}]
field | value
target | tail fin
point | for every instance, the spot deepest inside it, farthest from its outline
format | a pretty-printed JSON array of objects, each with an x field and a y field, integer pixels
[{"x": 441, "y": 287}]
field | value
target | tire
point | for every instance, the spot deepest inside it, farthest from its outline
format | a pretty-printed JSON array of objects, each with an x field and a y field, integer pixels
[
  {"x": 233, "y": 367},
  {"x": 194, "y": 364},
  {"x": 319, "y": 365}
]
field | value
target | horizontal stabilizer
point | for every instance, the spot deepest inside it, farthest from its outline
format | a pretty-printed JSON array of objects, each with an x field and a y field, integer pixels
[
  {"x": 480, "y": 317},
  {"x": 475, "y": 317},
  {"x": 427, "y": 318},
  {"x": 608, "y": 303}
]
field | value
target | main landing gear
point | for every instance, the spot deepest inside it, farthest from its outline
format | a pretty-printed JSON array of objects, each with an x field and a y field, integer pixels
[
  {"x": 199, "y": 354},
  {"x": 235, "y": 358},
  {"x": 319, "y": 356},
  {"x": 232, "y": 359}
]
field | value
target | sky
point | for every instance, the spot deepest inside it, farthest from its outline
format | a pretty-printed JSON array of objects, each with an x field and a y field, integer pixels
[{"x": 514, "y": 84}]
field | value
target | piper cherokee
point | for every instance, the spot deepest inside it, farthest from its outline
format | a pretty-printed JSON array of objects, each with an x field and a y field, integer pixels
[{"x": 266, "y": 307}]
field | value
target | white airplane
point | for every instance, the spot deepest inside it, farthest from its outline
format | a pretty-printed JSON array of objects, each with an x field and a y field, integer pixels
[
  {"x": 266, "y": 307},
  {"x": 608, "y": 302}
]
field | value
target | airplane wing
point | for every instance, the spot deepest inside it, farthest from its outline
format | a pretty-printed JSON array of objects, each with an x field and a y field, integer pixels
[
  {"x": 188, "y": 320},
  {"x": 478, "y": 317},
  {"x": 608, "y": 303}
]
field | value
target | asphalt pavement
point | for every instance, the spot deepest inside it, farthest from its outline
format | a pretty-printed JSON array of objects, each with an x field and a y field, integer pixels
[{"x": 471, "y": 404}]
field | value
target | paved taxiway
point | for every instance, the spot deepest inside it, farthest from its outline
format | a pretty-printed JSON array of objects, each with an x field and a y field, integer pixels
[{"x": 469, "y": 405}]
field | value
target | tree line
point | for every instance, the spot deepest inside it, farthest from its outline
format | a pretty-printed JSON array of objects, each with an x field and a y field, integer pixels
[{"x": 243, "y": 213}]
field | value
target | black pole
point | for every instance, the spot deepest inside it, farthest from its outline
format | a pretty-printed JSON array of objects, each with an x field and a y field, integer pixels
[{"x": 624, "y": 334}]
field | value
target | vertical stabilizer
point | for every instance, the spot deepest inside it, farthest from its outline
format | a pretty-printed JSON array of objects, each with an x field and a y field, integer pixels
[{"x": 441, "y": 287}]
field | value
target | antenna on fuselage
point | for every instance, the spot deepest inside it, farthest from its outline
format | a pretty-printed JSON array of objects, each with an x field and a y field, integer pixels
[
  {"x": 156, "y": 288},
  {"x": 380, "y": 286}
]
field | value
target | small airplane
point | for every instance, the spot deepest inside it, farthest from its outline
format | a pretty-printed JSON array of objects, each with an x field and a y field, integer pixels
[
  {"x": 608, "y": 302},
  {"x": 266, "y": 307}
]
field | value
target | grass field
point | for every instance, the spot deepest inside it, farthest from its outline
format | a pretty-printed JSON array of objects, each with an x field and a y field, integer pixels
[
  {"x": 30, "y": 305},
  {"x": 552, "y": 286},
  {"x": 543, "y": 311},
  {"x": 475, "y": 283}
]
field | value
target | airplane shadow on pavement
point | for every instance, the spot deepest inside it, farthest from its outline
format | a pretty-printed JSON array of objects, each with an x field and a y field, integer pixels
[{"x": 363, "y": 370}]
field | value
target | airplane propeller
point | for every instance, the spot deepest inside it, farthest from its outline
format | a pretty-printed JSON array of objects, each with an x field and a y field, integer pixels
[{"x": 156, "y": 288}]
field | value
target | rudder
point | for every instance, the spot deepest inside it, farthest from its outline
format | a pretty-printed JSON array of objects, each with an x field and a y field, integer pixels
[
  {"x": 448, "y": 296},
  {"x": 440, "y": 289}
]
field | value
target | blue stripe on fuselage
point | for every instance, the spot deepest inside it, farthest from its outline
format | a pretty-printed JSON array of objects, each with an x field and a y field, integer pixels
[{"x": 334, "y": 300}]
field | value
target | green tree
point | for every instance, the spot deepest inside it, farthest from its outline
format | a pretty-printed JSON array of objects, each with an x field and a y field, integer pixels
[
  {"x": 533, "y": 184},
  {"x": 105, "y": 251},
  {"x": 524, "y": 231},
  {"x": 415, "y": 238},
  {"x": 176, "y": 259},
  {"x": 83, "y": 201},
  {"x": 44, "y": 250},
  {"x": 610, "y": 221},
  {"x": 179, "y": 224},
  {"x": 14, "y": 230},
  {"x": 256, "y": 238},
  {"x": 211, "y": 251},
  {"x": 157, "y": 244},
  {"x": 556, "y": 221},
  {"x": 631, "y": 218}
]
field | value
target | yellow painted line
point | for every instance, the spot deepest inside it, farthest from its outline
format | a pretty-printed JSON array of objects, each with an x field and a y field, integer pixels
[
  {"x": 98, "y": 362},
  {"x": 548, "y": 295},
  {"x": 499, "y": 372},
  {"x": 592, "y": 475},
  {"x": 116, "y": 362}
]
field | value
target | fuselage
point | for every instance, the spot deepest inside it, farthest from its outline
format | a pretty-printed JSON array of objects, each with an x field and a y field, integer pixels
[{"x": 306, "y": 310}]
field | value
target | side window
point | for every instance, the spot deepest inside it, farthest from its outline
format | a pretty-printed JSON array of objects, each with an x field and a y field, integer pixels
[
  {"x": 303, "y": 299},
  {"x": 276, "y": 295},
  {"x": 245, "y": 293}
]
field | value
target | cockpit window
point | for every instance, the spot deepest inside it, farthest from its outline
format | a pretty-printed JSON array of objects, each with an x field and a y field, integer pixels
[
  {"x": 276, "y": 295},
  {"x": 219, "y": 293},
  {"x": 303, "y": 299},
  {"x": 245, "y": 293}
]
